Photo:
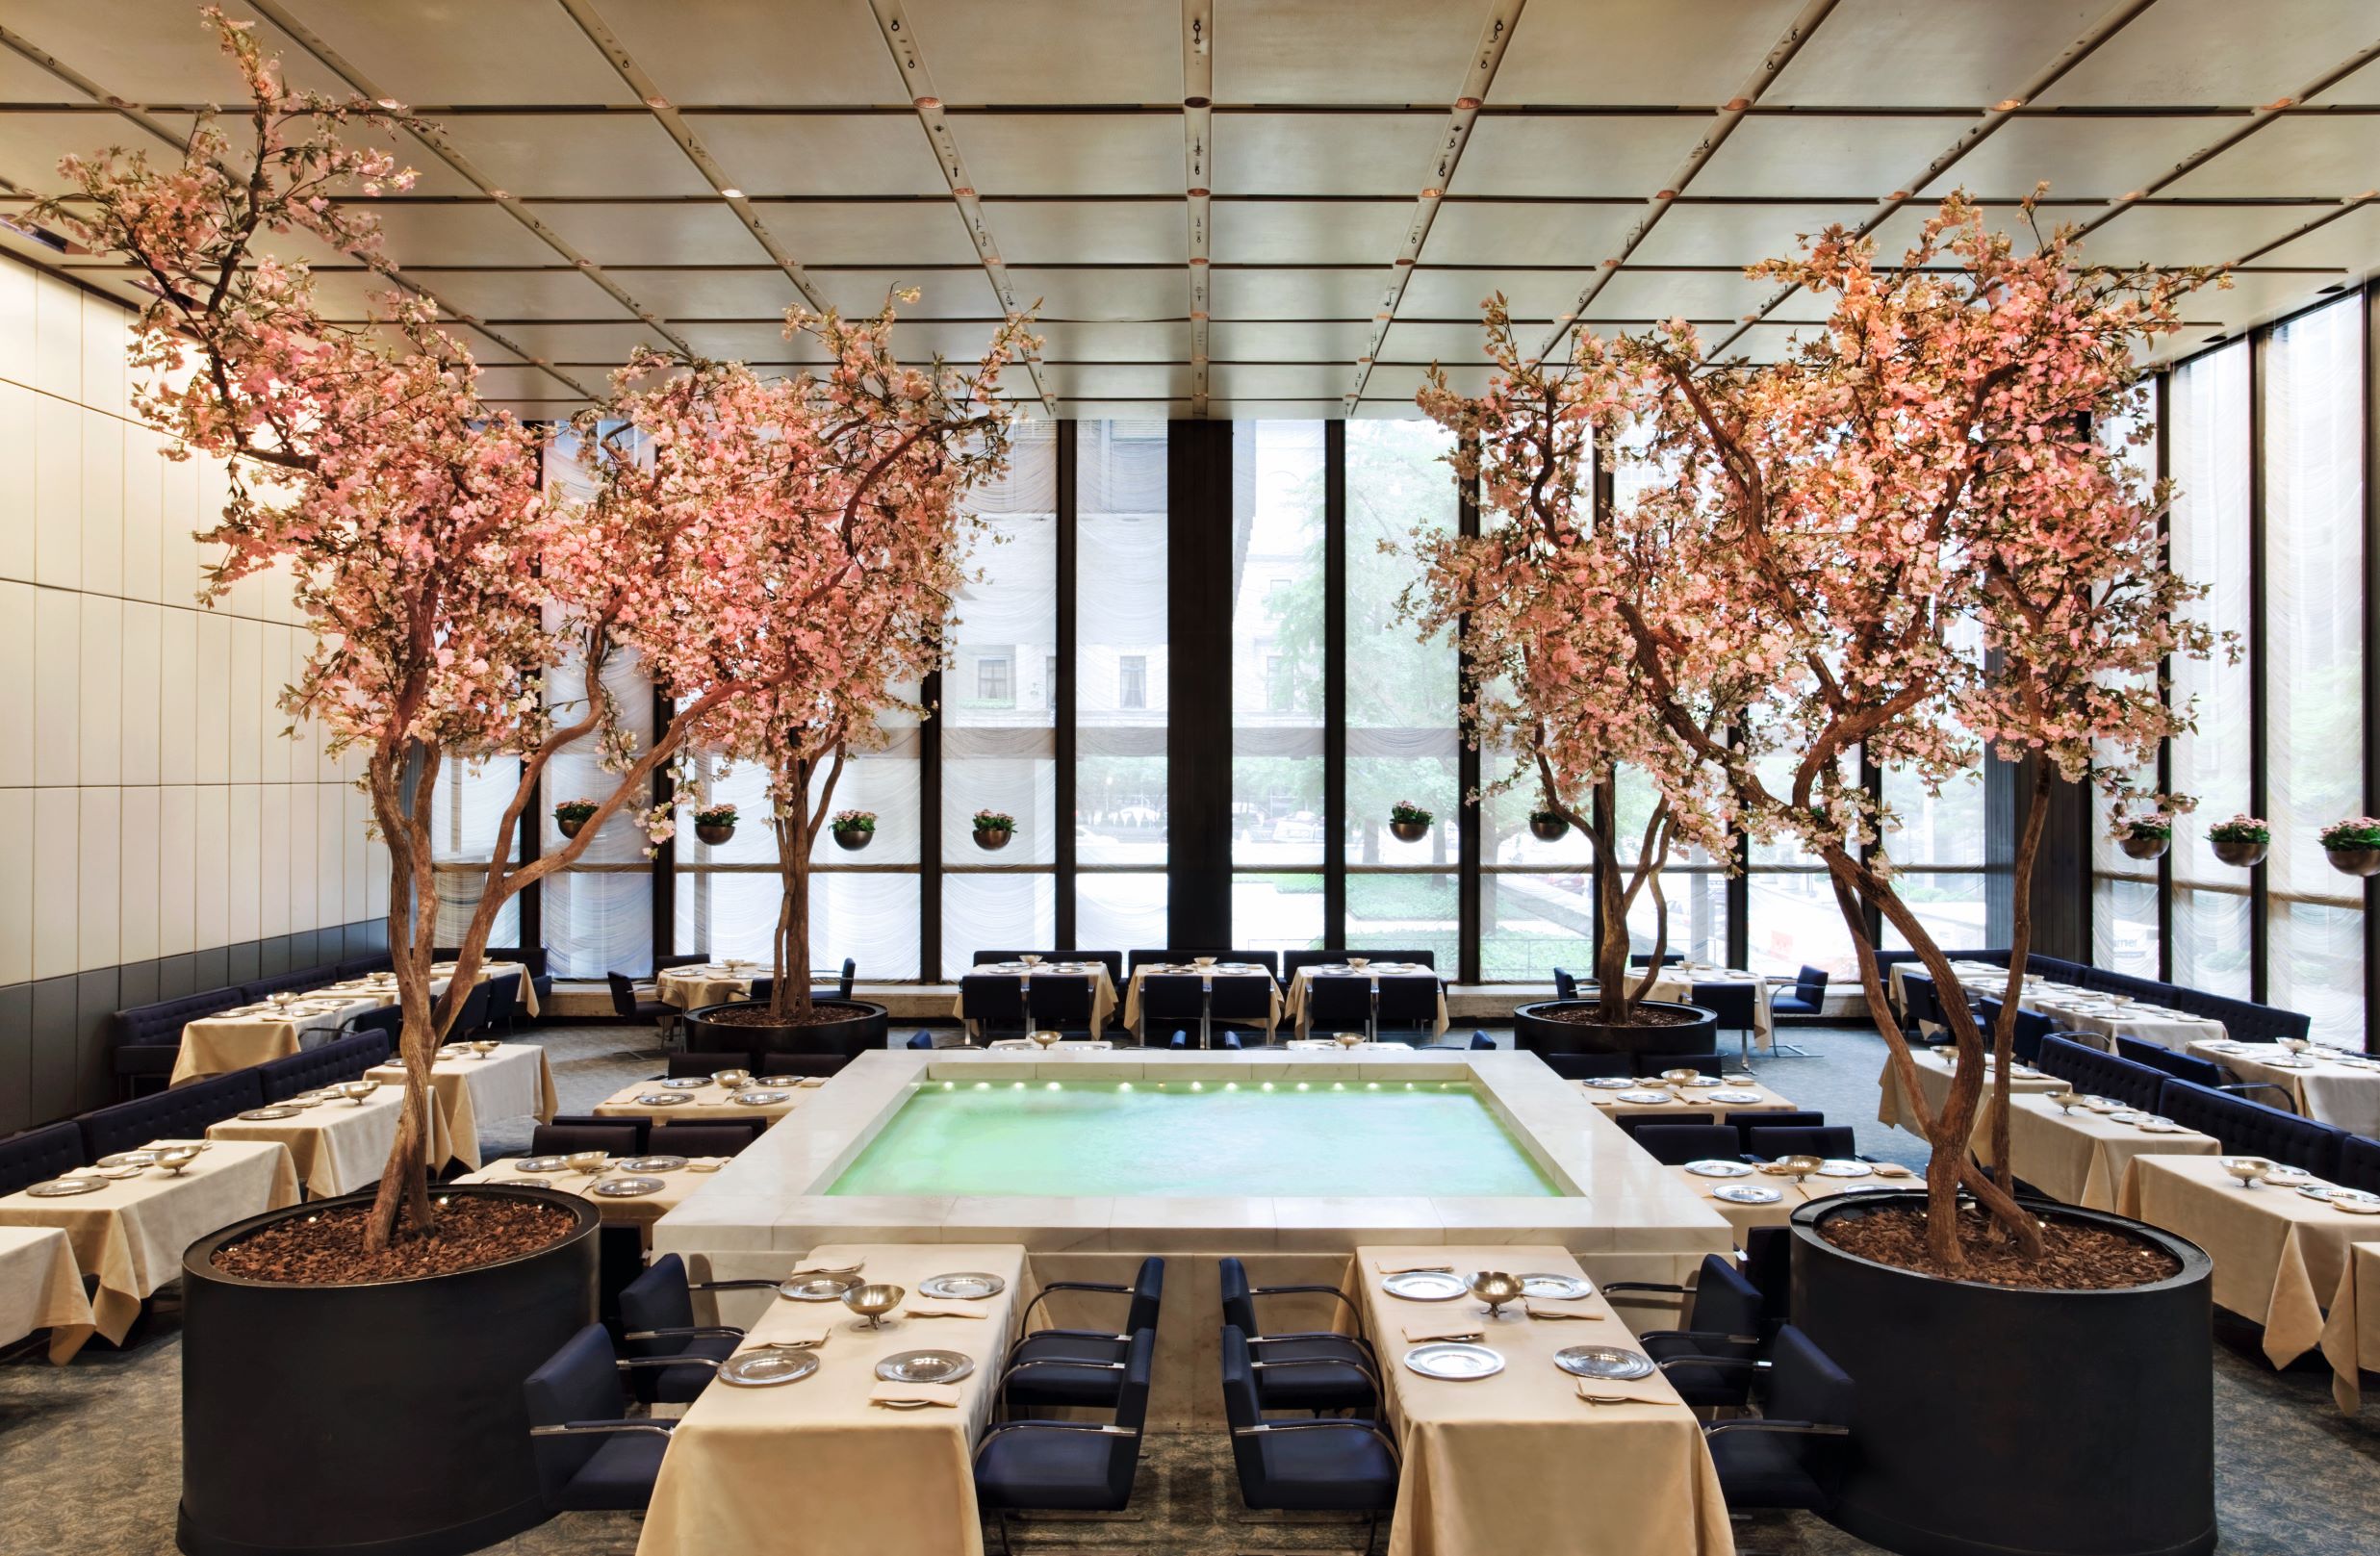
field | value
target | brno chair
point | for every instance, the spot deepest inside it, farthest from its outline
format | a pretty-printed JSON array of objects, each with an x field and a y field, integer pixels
[
  {"x": 1168, "y": 999},
  {"x": 987, "y": 1002},
  {"x": 1068, "y": 1466},
  {"x": 1301, "y": 1369},
  {"x": 639, "y": 1002},
  {"x": 1921, "y": 1011},
  {"x": 1339, "y": 1002},
  {"x": 1737, "y": 1008},
  {"x": 1726, "y": 1319},
  {"x": 590, "y": 1455},
  {"x": 1766, "y": 1143},
  {"x": 723, "y": 1138},
  {"x": 1406, "y": 1003},
  {"x": 1052, "y": 1367},
  {"x": 1589, "y": 1066},
  {"x": 1479, "y": 1040},
  {"x": 840, "y": 988},
  {"x": 473, "y": 1018},
  {"x": 1059, "y": 1001},
  {"x": 621, "y": 1136},
  {"x": 1792, "y": 1454},
  {"x": 656, "y": 1319},
  {"x": 1745, "y": 1123},
  {"x": 1809, "y": 997},
  {"x": 1642, "y": 960},
  {"x": 1327, "y": 1464},
  {"x": 1768, "y": 1263},
  {"x": 1565, "y": 986},
  {"x": 1239, "y": 1001},
  {"x": 1230, "y": 1042},
  {"x": 1673, "y": 1145}
]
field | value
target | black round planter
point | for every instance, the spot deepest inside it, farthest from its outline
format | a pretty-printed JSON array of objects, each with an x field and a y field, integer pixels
[
  {"x": 1533, "y": 1032},
  {"x": 853, "y": 837},
  {"x": 2355, "y": 861},
  {"x": 992, "y": 837},
  {"x": 2239, "y": 855},
  {"x": 2137, "y": 847},
  {"x": 1548, "y": 829},
  {"x": 1409, "y": 831},
  {"x": 847, "y": 1038},
  {"x": 382, "y": 1419},
  {"x": 1965, "y": 1388},
  {"x": 714, "y": 832},
  {"x": 568, "y": 825}
]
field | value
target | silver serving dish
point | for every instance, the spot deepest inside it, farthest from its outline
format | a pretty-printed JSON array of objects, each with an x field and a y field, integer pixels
[
  {"x": 128, "y": 1159},
  {"x": 663, "y": 1163},
  {"x": 540, "y": 1163},
  {"x": 1718, "y": 1168},
  {"x": 2355, "y": 1202},
  {"x": 1453, "y": 1360},
  {"x": 1702, "y": 1080},
  {"x": 962, "y": 1286},
  {"x": 1846, "y": 1169},
  {"x": 826, "y": 1288},
  {"x": 626, "y": 1188},
  {"x": 762, "y": 1098},
  {"x": 686, "y": 1083},
  {"x": 1556, "y": 1288},
  {"x": 1745, "y": 1097},
  {"x": 760, "y": 1368},
  {"x": 1614, "y": 1362},
  {"x": 1426, "y": 1286},
  {"x": 263, "y": 1116},
  {"x": 61, "y": 1187},
  {"x": 661, "y": 1099},
  {"x": 1749, "y": 1194},
  {"x": 1611, "y": 1082},
  {"x": 924, "y": 1366}
]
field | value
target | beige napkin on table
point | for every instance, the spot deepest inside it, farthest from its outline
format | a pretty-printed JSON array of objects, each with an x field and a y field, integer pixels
[
  {"x": 811, "y": 1081},
  {"x": 942, "y": 1310},
  {"x": 916, "y": 1393},
  {"x": 1447, "y": 1330},
  {"x": 1392, "y": 1266},
  {"x": 1543, "y": 1308},
  {"x": 1610, "y": 1392},
  {"x": 851, "y": 1268},
  {"x": 796, "y": 1336}
]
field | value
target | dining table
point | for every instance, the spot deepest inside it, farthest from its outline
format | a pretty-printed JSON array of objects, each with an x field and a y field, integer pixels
[
  {"x": 1522, "y": 1459},
  {"x": 1676, "y": 982},
  {"x": 2278, "y": 1254},
  {"x": 1207, "y": 975},
  {"x": 1934, "y": 1079},
  {"x": 696, "y": 985},
  {"x": 606, "y": 1190},
  {"x": 1301, "y": 987},
  {"x": 473, "y": 1089},
  {"x": 2351, "y": 1330},
  {"x": 41, "y": 1288},
  {"x": 280, "y": 1025},
  {"x": 1102, "y": 987},
  {"x": 709, "y": 1103},
  {"x": 2072, "y": 1006},
  {"x": 337, "y": 1145},
  {"x": 815, "y": 1466},
  {"x": 130, "y": 1232},
  {"x": 1743, "y": 1213},
  {"x": 2331, "y": 1086},
  {"x": 1624, "y": 1097},
  {"x": 2084, "y": 1155}
]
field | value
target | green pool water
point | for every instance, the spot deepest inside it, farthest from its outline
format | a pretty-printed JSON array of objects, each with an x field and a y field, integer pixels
[{"x": 1088, "y": 1138}]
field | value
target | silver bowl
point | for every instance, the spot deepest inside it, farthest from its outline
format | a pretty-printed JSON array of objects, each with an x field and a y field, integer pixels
[
  {"x": 731, "y": 1079},
  {"x": 873, "y": 1301},
  {"x": 1494, "y": 1287}
]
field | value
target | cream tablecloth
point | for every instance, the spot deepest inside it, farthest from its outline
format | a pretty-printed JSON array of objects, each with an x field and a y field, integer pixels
[
  {"x": 1677, "y": 984},
  {"x": 337, "y": 1147},
  {"x": 690, "y": 988},
  {"x": 131, "y": 1234},
  {"x": 640, "y": 1212},
  {"x": 2352, "y": 1336},
  {"x": 2345, "y": 1094},
  {"x": 41, "y": 1288},
  {"x": 1933, "y": 1076},
  {"x": 1131, "y": 991},
  {"x": 1791, "y": 1196},
  {"x": 1300, "y": 986},
  {"x": 2082, "y": 1159},
  {"x": 2277, "y": 1253},
  {"x": 516, "y": 1081},
  {"x": 223, "y": 1043},
  {"x": 707, "y": 1102},
  {"x": 1102, "y": 987},
  {"x": 1518, "y": 1462},
  {"x": 814, "y": 1469},
  {"x": 2074, "y": 1008},
  {"x": 1688, "y": 1105}
]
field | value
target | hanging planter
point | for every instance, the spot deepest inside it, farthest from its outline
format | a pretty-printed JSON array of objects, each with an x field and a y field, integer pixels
[
  {"x": 854, "y": 828},
  {"x": 1548, "y": 826},
  {"x": 573, "y": 814},
  {"x": 1408, "y": 823},
  {"x": 716, "y": 825},
  {"x": 2146, "y": 837},
  {"x": 2353, "y": 845},
  {"x": 994, "y": 828},
  {"x": 2242, "y": 841}
]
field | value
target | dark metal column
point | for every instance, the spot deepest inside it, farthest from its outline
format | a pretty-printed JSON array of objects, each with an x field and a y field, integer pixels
[
  {"x": 2260, "y": 667},
  {"x": 1335, "y": 683},
  {"x": 1199, "y": 586},
  {"x": 1063, "y": 693}
]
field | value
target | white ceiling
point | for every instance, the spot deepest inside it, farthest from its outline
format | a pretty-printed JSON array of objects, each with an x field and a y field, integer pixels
[{"x": 1618, "y": 161}]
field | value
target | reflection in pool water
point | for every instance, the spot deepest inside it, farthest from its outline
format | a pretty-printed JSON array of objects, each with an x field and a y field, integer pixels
[{"x": 1207, "y": 1137}]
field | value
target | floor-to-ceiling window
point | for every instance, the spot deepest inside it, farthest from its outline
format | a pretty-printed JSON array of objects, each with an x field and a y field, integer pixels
[
  {"x": 2124, "y": 916},
  {"x": 1279, "y": 684},
  {"x": 1121, "y": 665},
  {"x": 464, "y": 813}
]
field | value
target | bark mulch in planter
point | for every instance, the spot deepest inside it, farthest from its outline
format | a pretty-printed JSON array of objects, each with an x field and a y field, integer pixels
[
  {"x": 2075, "y": 1256},
  {"x": 1592, "y": 1015},
  {"x": 327, "y": 1249},
  {"x": 823, "y": 1012}
]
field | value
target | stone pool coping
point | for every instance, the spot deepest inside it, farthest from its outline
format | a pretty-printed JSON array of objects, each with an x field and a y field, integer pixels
[{"x": 1616, "y": 1200}]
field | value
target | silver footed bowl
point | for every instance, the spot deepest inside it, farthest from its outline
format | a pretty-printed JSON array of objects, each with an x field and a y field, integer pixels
[
  {"x": 1494, "y": 1287},
  {"x": 873, "y": 1301}
]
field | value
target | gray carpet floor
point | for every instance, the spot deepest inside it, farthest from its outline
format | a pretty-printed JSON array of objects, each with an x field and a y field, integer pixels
[{"x": 89, "y": 1453}]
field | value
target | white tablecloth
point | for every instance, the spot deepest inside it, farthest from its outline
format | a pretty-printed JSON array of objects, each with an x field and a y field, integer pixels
[
  {"x": 1934, "y": 1078},
  {"x": 1688, "y": 1105},
  {"x": 1102, "y": 987},
  {"x": 2083, "y": 1158},
  {"x": 1301, "y": 987},
  {"x": 706, "y": 1104},
  {"x": 1131, "y": 995},
  {"x": 641, "y": 1211},
  {"x": 690, "y": 988},
  {"x": 336, "y": 1147},
  {"x": 2351, "y": 1333},
  {"x": 515, "y": 1080},
  {"x": 1790, "y": 1195},
  {"x": 2347, "y": 1096},
  {"x": 1677, "y": 984},
  {"x": 41, "y": 1288},
  {"x": 219, "y": 1044}
]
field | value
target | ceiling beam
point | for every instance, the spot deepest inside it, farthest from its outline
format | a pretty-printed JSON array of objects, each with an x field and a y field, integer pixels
[{"x": 1198, "y": 179}]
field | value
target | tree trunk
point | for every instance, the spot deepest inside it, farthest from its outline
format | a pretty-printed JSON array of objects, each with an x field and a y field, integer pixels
[
  {"x": 413, "y": 924},
  {"x": 2020, "y": 947},
  {"x": 1611, "y": 945}
]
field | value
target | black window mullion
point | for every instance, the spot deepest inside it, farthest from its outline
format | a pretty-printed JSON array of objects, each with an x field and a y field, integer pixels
[
  {"x": 1063, "y": 693},
  {"x": 2164, "y": 674},
  {"x": 1467, "y": 828},
  {"x": 2372, "y": 653},
  {"x": 2259, "y": 933},
  {"x": 930, "y": 832},
  {"x": 1335, "y": 683}
]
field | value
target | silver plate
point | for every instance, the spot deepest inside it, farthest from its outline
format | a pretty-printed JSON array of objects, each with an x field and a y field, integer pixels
[
  {"x": 1556, "y": 1288},
  {"x": 128, "y": 1159},
  {"x": 61, "y": 1187},
  {"x": 759, "y": 1368},
  {"x": 2355, "y": 1202},
  {"x": 1646, "y": 1099},
  {"x": 1748, "y": 1194},
  {"x": 964, "y": 1285},
  {"x": 652, "y": 1164},
  {"x": 1716, "y": 1167},
  {"x": 661, "y": 1099},
  {"x": 1613, "y": 1363},
  {"x": 540, "y": 1163},
  {"x": 782, "y": 1079},
  {"x": 260, "y": 1116},
  {"x": 817, "y": 1287},
  {"x": 1704, "y": 1081},
  {"x": 1735, "y": 1096},
  {"x": 1611, "y": 1082},
  {"x": 627, "y": 1187},
  {"x": 1453, "y": 1360},
  {"x": 1846, "y": 1169},
  {"x": 762, "y": 1098},
  {"x": 453, "y": 1051},
  {"x": 1425, "y": 1285},
  {"x": 925, "y": 1366},
  {"x": 686, "y": 1083}
]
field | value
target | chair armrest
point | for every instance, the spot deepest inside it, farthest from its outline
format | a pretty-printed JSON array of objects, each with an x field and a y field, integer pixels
[
  {"x": 1302, "y": 1290},
  {"x": 1609, "y": 1286},
  {"x": 1365, "y": 1367},
  {"x": 1748, "y": 1423},
  {"x": 1710, "y": 1337},
  {"x": 1313, "y": 1333},
  {"x": 734, "y": 1286},
  {"x": 1102, "y": 1428},
  {"x": 2238, "y": 1087},
  {"x": 692, "y": 1332},
  {"x": 1076, "y": 1333},
  {"x": 630, "y": 1364},
  {"x": 602, "y": 1428},
  {"x": 1054, "y": 1360},
  {"x": 1721, "y": 1364},
  {"x": 1266, "y": 1428},
  {"x": 1068, "y": 1285}
]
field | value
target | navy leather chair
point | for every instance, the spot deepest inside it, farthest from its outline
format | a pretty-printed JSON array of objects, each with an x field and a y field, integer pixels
[
  {"x": 388, "y": 1020},
  {"x": 632, "y": 1001},
  {"x": 1768, "y": 1263},
  {"x": 488, "y": 1006},
  {"x": 1745, "y": 1123},
  {"x": 2358, "y": 1163},
  {"x": 1059, "y": 1001},
  {"x": 1339, "y": 1002},
  {"x": 1406, "y": 1003},
  {"x": 656, "y": 1319},
  {"x": 2135, "y": 1085},
  {"x": 762, "y": 991},
  {"x": 1791, "y": 1455},
  {"x": 990, "y": 1000},
  {"x": 1068, "y": 1466},
  {"x": 621, "y": 1136},
  {"x": 1245, "y": 1002},
  {"x": 1641, "y": 960},
  {"x": 2033, "y": 1028},
  {"x": 309, "y": 1069},
  {"x": 840, "y": 988},
  {"x": 37, "y": 1155},
  {"x": 723, "y": 1138},
  {"x": 1226, "y": 1040},
  {"x": 1172, "y": 999},
  {"x": 1921, "y": 1013},
  {"x": 589, "y": 1456},
  {"x": 922, "y": 1039},
  {"x": 1479, "y": 1041},
  {"x": 1053, "y": 1367},
  {"x": 710, "y": 1062},
  {"x": 533, "y": 958},
  {"x": 2180, "y": 1066},
  {"x": 1725, "y": 1318},
  {"x": 1589, "y": 1066},
  {"x": 1808, "y": 996},
  {"x": 148, "y": 1038},
  {"x": 1768, "y": 1143},
  {"x": 1330, "y": 1464},
  {"x": 2247, "y": 1127},
  {"x": 182, "y": 1113},
  {"x": 1736, "y": 1007},
  {"x": 1565, "y": 986},
  {"x": 1673, "y": 1145},
  {"x": 1301, "y": 1369}
]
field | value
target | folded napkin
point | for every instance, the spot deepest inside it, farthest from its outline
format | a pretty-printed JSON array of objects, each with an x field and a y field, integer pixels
[
  {"x": 1611, "y": 1393},
  {"x": 800, "y": 1335},
  {"x": 811, "y": 1081},
  {"x": 1542, "y": 1307},
  {"x": 942, "y": 1310},
  {"x": 916, "y": 1393},
  {"x": 1406, "y": 1267},
  {"x": 851, "y": 1268}
]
